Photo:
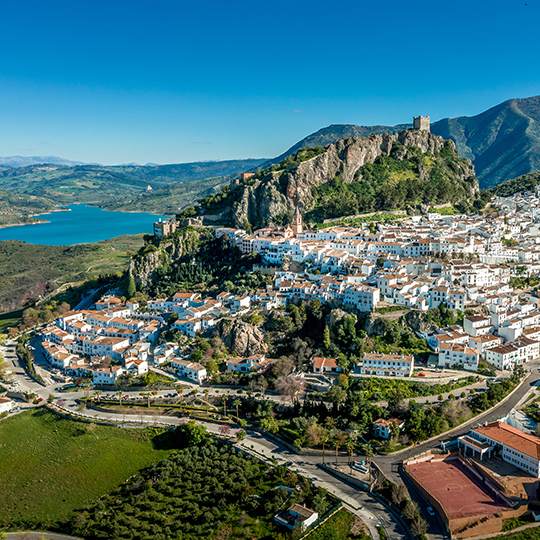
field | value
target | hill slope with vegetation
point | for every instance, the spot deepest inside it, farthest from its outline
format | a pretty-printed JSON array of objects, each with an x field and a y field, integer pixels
[
  {"x": 28, "y": 272},
  {"x": 17, "y": 208},
  {"x": 101, "y": 185},
  {"x": 526, "y": 182},
  {"x": 381, "y": 172}
]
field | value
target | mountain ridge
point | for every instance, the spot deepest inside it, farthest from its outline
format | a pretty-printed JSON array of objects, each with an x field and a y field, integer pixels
[{"x": 502, "y": 142}]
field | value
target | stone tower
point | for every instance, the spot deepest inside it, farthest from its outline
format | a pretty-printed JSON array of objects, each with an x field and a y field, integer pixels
[
  {"x": 297, "y": 222},
  {"x": 421, "y": 123}
]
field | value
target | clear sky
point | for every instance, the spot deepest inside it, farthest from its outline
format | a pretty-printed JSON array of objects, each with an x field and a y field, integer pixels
[{"x": 174, "y": 81}]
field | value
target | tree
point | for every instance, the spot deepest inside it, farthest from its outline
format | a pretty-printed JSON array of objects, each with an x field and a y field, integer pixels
[
  {"x": 326, "y": 338},
  {"x": 418, "y": 527},
  {"x": 339, "y": 439},
  {"x": 314, "y": 434},
  {"x": 240, "y": 435},
  {"x": 206, "y": 392},
  {"x": 120, "y": 394},
  {"x": 337, "y": 396},
  {"x": 291, "y": 387},
  {"x": 225, "y": 430},
  {"x": 350, "y": 445},
  {"x": 261, "y": 384},
  {"x": 398, "y": 493},
  {"x": 224, "y": 398},
  {"x": 191, "y": 434},
  {"x": 50, "y": 399},
  {"x": 98, "y": 394},
  {"x": 131, "y": 289},
  {"x": 237, "y": 403}
]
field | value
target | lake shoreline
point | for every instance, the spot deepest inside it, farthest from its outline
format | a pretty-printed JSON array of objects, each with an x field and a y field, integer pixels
[
  {"x": 38, "y": 221},
  {"x": 79, "y": 224}
]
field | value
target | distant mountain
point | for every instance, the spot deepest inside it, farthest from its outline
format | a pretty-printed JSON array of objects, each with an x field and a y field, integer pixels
[
  {"x": 25, "y": 161},
  {"x": 502, "y": 142}
]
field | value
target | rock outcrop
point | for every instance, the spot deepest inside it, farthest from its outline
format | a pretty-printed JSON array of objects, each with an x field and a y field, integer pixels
[
  {"x": 240, "y": 337},
  {"x": 145, "y": 265},
  {"x": 277, "y": 193}
]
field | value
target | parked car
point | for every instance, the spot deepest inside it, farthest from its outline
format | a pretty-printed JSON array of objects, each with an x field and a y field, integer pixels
[
  {"x": 430, "y": 511},
  {"x": 422, "y": 375}
]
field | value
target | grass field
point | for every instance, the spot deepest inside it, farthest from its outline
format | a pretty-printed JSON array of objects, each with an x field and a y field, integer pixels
[
  {"x": 50, "y": 466},
  {"x": 341, "y": 526},
  {"x": 7, "y": 320}
]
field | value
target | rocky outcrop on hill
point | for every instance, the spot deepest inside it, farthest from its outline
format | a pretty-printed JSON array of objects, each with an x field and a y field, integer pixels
[
  {"x": 417, "y": 322},
  {"x": 240, "y": 337},
  {"x": 275, "y": 194},
  {"x": 145, "y": 266},
  {"x": 337, "y": 315}
]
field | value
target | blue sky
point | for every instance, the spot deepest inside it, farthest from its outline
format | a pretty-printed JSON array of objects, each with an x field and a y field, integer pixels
[{"x": 176, "y": 81}]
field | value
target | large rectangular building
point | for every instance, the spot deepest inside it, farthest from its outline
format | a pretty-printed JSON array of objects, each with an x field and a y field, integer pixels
[
  {"x": 387, "y": 365},
  {"x": 511, "y": 444}
]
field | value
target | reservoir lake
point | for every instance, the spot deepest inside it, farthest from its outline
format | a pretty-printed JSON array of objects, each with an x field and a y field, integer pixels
[{"x": 81, "y": 225}]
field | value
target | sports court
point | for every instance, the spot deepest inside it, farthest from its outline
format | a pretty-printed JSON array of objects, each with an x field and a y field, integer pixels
[{"x": 459, "y": 491}]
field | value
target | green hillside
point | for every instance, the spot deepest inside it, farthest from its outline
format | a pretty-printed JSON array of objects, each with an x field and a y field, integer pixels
[
  {"x": 526, "y": 182},
  {"x": 102, "y": 185},
  {"x": 170, "y": 199},
  {"x": 18, "y": 208},
  {"x": 51, "y": 467},
  {"x": 29, "y": 271}
]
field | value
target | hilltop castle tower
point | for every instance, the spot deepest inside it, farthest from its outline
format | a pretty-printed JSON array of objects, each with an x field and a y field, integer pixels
[
  {"x": 297, "y": 226},
  {"x": 421, "y": 123}
]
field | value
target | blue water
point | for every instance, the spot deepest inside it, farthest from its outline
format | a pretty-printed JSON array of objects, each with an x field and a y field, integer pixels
[{"x": 83, "y": 224}]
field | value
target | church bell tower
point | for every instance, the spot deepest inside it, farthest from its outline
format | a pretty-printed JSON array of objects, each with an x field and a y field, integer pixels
[{"x": 297, "y": 226}]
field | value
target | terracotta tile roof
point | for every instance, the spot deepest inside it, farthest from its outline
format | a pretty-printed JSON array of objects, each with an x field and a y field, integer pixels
[{"x": 512, "y": 437}]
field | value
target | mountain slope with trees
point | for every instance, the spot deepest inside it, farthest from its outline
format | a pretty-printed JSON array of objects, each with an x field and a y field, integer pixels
[
  {"x": 526, "y": 182},
  {"x": 382, "y": 172}
]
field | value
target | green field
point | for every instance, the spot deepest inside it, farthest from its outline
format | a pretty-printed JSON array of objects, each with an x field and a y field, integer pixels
[
  {"x": 341, "y": 526},
  {"x": 50, "y": 466}
]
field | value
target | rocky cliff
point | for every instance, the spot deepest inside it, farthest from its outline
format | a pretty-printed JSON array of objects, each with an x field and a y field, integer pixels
[
  {"x": 240, "y": 337},
  {"x": 151, "y": 260},
  {"x": 273, "y": 195}
]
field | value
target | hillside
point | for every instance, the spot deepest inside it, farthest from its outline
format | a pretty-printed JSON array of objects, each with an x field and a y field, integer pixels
[
  {"x": 502, "y": 142},
  {"x": 18, "y": 208},
  {"x": 102, "y": 185},
  {"x": 29, "y": 271},
  {"x": 170, "y": 199},
  {"x": 381, "y": 172},
  {"x": 526, "y": 182}
]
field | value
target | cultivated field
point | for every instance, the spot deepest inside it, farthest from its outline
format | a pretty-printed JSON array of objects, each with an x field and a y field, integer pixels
[{"x": 50, "y": 467}]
